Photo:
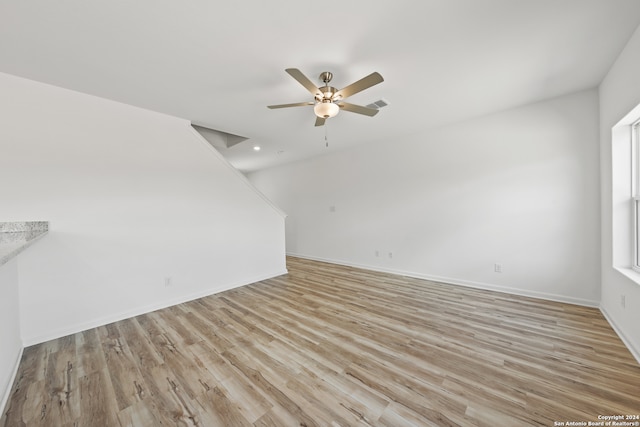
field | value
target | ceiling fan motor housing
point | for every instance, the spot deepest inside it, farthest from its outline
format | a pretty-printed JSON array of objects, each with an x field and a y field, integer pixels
[{"x": 326, "y": 93}]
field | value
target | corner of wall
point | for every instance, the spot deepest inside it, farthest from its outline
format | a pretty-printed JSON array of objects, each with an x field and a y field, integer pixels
[
  {"x": 635, "y": 351},
  {"x": 240, "y": 176},
  {"x": 12, "y": 379}
]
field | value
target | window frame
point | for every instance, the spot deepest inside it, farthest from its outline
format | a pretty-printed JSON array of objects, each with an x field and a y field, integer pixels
[{"x": 635, "y": 194}]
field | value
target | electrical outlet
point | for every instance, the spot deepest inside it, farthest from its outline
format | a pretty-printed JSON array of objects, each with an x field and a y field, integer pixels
[
  {"x": 390, "y": 255},
  {"x": 497, "y": 268},
  {"x": 377, "y": 253},
  {"x": 623, "y": 301},
  {"x": 168, "y": 281}
]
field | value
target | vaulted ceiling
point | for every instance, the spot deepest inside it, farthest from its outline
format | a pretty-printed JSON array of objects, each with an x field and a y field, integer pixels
[{"x": 220, "y": 63}]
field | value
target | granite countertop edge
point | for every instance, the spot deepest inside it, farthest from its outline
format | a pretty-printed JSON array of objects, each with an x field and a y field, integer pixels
[{"x": 15, "y": 237}]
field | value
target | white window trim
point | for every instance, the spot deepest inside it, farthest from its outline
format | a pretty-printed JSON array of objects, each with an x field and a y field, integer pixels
[
  {"x": 635, "y": 194},
  {"x": 635, "y": 265}
]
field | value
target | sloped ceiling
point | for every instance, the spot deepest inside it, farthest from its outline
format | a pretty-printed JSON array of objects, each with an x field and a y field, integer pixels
[{"x": 219, "y": 64}]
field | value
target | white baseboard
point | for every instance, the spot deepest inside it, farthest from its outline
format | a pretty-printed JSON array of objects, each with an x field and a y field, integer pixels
[
  {"x": 466, "y": 283},
  {"x": 94, "y": 323},
  {"x": 7, "y": 392},
  {"x": 627, "y": 342}
]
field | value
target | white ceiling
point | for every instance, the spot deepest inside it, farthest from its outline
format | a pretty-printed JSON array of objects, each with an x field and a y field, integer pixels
[{"x": 220, "y": 63}]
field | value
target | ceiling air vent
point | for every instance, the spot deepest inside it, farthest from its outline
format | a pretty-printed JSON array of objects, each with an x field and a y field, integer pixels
[{"x": 378, "y": 104}]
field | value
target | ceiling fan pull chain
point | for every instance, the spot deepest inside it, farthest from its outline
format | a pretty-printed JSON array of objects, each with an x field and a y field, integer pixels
[{"x": 326, "y": 141}]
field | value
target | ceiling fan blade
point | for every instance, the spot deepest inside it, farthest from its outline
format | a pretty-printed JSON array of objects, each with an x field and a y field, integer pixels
[
  {"x": 320, "y": 121},
  {"x": 304, "y": 81},
  {"x": 362, "y": 84},
  {"x": 297, "y": 104},
  {"x": 358, "y": 109}
]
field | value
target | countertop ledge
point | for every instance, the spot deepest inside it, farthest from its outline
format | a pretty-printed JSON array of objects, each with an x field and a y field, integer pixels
[{"x": 15, "y": 237}]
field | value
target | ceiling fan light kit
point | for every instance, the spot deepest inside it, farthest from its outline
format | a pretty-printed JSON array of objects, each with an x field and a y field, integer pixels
[
  {"x": 328, "y": 100},
  {"x": 326, "y": 109}
]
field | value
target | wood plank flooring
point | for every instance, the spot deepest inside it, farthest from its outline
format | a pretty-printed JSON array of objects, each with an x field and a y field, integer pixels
[{"x": 327, "y": 345}]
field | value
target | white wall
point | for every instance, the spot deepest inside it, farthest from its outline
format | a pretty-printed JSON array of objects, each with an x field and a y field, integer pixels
[
  {"x": 11, "y": 347},
  {"x": 518, "y": 188},
  {"x": 619, "y": 95},
  {"x": 133, "y": 197}
]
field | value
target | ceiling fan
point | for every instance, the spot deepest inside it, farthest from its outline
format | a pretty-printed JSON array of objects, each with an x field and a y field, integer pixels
[{"x": 328, "y": 100}]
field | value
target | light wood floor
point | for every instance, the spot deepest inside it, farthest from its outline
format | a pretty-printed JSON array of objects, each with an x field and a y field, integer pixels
[{"x": 327, "y": 345}]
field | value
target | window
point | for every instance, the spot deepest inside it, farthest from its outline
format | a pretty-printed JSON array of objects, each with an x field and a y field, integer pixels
[
  {"x": 625, "y": 195},
  {"x": 635, "y": 189}
]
